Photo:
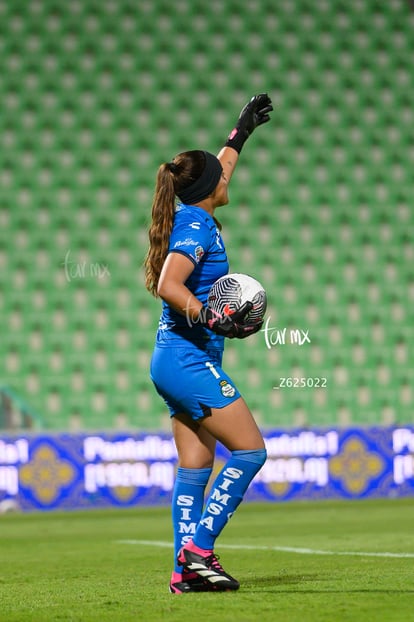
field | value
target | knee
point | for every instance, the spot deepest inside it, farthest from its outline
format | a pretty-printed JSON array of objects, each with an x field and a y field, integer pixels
[
  {"x": 195, "y": 460},
  {"x": 257, "y": 456}
]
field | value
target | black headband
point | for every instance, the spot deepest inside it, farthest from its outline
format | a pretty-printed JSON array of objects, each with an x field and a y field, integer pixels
[{"x": 205, "y": 184}]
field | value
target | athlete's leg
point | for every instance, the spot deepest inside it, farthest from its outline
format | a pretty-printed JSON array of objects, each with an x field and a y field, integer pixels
[
  {"x": 196, "y": 448},
  {"x": 236, "y": 428},
  {"x": 200, "y": 386},
  {"x": 195, "y": 444}
]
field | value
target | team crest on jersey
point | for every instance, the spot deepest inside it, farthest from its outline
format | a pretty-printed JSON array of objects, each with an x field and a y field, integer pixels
[
  {"x": 227, "y": 389},
  {"x": 199, "y": 252}
]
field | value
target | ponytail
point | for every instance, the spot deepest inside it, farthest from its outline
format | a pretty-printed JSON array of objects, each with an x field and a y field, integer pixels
[
  {"x": 181, "y": 178},
  {"x": 163, "y": 209}
]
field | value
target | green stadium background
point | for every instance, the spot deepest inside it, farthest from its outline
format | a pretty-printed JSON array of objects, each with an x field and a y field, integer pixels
[{"x": 95, "y": 94}]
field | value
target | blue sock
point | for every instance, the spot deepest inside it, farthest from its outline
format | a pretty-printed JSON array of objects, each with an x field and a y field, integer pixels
[
  {"x": 226, "y": 494},
  {"x": 187, "y": 505}
]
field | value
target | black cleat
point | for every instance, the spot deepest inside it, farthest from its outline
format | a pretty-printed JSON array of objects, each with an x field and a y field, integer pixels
[
  {"x": 196, "y": 584},
  {"x": 208, "y": 568},
  {"x": 190, "y": 585}
]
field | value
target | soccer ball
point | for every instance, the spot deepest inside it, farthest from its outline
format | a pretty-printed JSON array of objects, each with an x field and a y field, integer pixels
[{"x": 231, "y": 291}]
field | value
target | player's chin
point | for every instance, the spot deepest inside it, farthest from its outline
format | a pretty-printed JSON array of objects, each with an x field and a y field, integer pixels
[{"x": 223, "y": 200}]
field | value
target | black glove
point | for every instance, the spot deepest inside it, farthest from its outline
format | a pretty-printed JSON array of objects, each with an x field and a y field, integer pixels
[
  {"x": 229, "y": 325},
  {"x": 253, "y": 114}
]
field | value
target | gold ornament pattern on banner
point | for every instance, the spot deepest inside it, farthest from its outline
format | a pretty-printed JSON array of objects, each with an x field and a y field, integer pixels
[
  {"x": 356, "y": 466},
  {"x": 47, "y": 474}
]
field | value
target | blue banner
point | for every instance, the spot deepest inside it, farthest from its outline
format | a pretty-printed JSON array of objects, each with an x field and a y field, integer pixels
[{"x": 66, "y": 471}]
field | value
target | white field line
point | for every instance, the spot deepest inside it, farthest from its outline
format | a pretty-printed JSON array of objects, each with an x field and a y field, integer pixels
[{"x": 281, "y": 549}]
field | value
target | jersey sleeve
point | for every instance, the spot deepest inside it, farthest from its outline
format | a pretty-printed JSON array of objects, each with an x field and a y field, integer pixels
[{"x": 192, "y": 239}]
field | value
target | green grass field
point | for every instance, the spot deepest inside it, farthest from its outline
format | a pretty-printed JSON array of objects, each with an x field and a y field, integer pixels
[{"x": 307, "y": 562}]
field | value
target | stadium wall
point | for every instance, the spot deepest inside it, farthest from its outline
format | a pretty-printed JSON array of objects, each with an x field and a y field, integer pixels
[{"x": 80, "y": 471}]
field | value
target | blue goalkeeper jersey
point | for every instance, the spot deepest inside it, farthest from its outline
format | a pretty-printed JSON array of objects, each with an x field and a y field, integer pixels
[{"x": 195, "y": 235}]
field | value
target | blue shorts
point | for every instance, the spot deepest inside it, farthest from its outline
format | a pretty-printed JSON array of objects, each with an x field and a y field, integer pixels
[{"x": 191, "y": 380}]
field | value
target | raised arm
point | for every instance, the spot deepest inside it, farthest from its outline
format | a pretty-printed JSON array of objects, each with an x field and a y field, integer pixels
[{"x": 254, "y": 113}]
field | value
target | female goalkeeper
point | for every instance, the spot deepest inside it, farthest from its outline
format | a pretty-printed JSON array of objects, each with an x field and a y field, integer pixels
[{"x": 186, "y": 256}]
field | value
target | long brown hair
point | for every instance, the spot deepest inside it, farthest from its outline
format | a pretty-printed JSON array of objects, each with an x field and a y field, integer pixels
[{"x": 172, "y": 177}]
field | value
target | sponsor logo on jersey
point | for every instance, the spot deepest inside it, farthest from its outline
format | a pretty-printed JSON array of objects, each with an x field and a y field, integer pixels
[
  {"x": 194, "y": 225},
  {"x": 186, "y": 242}
]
